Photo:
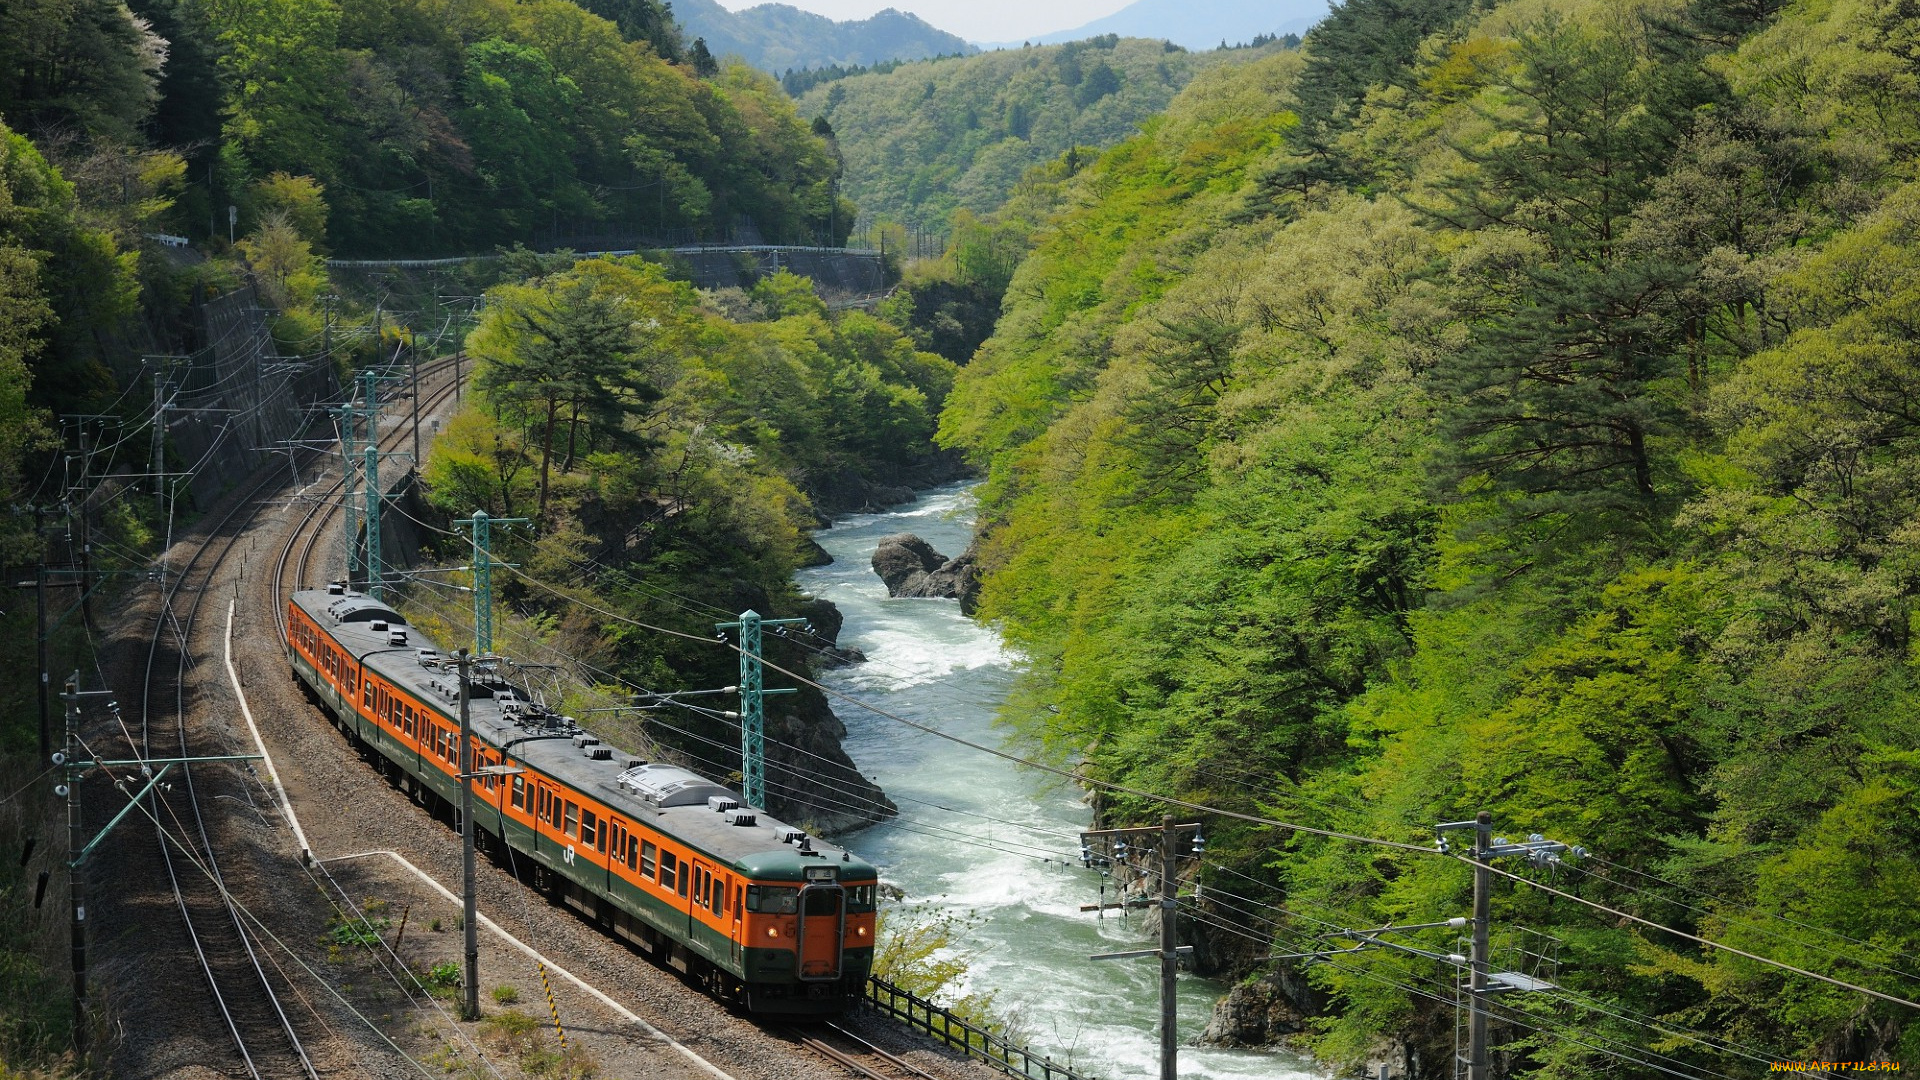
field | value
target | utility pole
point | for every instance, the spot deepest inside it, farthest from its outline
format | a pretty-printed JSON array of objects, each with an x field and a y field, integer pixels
[
  {"x": 76, "y": 872},
  {"x": 349, "y": 528},
  {"x": 1482, "y": 981},
  {"x": 86, "y": 529},
  {"x": 1113, "y": 843},
  {"x": 471, "y": 1007},
  {"x": 753, "y": 710},
  {"x": 1169, "y": 958},
  {"x": 40, "y": 641},
  {"x": 79, "y": 847},
  {"x": 482, "y": 526},
  {"x": 157, "y": 450},
  {"x": 370, "y": 408},
  {"x": 1477, "y": 957},
  {"x": 413, "y": 363},
  {"x": 375, "y": 573}
]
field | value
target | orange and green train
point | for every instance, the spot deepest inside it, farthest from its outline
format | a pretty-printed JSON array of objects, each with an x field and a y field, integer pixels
[{"x": 757, "y": 911}]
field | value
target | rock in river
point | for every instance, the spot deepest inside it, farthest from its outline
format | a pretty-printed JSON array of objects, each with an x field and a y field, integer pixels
[{"x": 912, "y": 568}]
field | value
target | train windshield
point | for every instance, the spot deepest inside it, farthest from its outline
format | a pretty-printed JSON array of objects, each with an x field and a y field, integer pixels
[
  {"x": 823, "y": 902},
  {"x": 772, "y": 899},
  {"x": 859, "y": 898}
]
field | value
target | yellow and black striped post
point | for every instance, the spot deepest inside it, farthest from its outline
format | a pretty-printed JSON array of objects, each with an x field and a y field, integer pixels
[{"x": 554, "y": 1008}]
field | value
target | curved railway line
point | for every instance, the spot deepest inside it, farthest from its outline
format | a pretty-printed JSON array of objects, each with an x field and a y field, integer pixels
[
  {"x": 274, "y": 1027},
  {"x": 247, "y": 989}
]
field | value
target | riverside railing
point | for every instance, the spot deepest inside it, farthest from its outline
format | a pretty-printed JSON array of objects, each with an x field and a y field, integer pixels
[{"x": 976, "y": 1042}]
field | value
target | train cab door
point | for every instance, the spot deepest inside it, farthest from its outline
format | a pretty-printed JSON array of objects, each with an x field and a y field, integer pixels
[
  {"x": 735, "y": 898},
  {"x": 823, "y": 926}
]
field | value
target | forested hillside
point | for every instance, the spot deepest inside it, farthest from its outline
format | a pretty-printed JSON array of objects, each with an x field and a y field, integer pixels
[
  {"x": 922, "y": 140},
  {"x": 1499, "y": 408},
  {"x": 363, "y": 127},
  {"x": 430, "y": 129},
  {"x": 296, "y": 127}
]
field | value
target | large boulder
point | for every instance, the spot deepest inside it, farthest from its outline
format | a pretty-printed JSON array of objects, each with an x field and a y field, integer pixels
[
  {"x": 822, "y": 634},
  {"x": 912, "y": 568}
]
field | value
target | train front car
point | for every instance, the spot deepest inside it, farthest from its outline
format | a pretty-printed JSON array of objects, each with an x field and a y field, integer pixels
[{"x": 807, "y": 928}]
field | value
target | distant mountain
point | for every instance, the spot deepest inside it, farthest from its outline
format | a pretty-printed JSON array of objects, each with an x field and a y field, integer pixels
[
  {"x": 775, "y": 37},
  {"x": 1196, "y": 25}
]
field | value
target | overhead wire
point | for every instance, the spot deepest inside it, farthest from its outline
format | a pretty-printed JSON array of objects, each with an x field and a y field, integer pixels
[
  {"x": 1678, "y": 1029},
  {"x": 1128, "y": 790},
  {"x": 1735, "y": 903},
  {"x": 1708, "y": 942},
  {"x": 1170, "y": 800}
]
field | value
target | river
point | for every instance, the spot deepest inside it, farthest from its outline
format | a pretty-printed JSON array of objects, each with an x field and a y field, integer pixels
[{"x": 986, "y": 840}]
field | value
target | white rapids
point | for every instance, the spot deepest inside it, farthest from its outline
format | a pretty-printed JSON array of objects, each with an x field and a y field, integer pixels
[{"x": 985, "y": 839}]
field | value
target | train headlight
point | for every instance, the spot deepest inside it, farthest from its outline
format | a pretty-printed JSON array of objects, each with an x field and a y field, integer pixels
[
  {"x": 773, "y": 931},
  {"x": 862, "y": 931}
]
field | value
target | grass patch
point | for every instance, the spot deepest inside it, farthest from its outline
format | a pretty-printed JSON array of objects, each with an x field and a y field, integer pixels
[{"x": 531, "y": 1043}]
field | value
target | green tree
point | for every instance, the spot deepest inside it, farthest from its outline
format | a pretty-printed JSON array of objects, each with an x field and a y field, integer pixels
[
  {"x": 1555, "y": 399},
  {"x": 91, "y": 64},
  {"x": 567, "y": 357}
]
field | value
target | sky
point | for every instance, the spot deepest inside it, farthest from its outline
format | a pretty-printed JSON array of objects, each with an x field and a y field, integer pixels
[{"x": 975, "y": 20}]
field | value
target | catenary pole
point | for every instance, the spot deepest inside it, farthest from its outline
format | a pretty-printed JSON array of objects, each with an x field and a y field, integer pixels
[
  {"x": 76, "y": 870},
  {"x": 1169, "y": 954},
  {"x": 469, "y": 916},
  {"x": 753, "y": 706}
]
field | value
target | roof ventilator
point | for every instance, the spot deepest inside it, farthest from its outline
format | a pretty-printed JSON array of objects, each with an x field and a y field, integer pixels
[
  {"x": 742, "y": 817},
  {"x": 787, "y": 834},
  {"x": 720, "y": 804}
]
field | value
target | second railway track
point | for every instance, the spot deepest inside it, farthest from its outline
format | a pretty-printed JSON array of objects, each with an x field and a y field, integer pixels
[{"x": 246, "y": 986}]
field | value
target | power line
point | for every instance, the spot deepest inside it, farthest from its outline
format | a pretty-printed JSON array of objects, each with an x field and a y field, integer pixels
[{"x": 1856, "y": 988}]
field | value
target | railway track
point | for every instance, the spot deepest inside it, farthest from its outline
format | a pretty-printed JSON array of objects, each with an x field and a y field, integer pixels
[
  {"x": 857, "y": 1055},
  {"x": 291, "y": 570},
  {"x": 248, "y": 991}
]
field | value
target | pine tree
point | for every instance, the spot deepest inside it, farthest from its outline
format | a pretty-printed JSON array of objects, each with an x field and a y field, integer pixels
[
  {"x": 1554, "y": 398},
  {"x": 704, "y": 65}
]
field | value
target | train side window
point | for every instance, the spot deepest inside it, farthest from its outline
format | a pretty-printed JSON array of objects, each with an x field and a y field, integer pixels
[
  {"x": 633, "y": 852},
  {"x": 739, "y": 901},
  {"x": 570, "y": 822},
  {"x": 589, "y": 828},
  {"x": 519, "y": 794},
  {"x": 683, "y": 881},
  {"x": 546, "y": 806},
  {"x": 667, "y": 865},
  {"x": 700, "y": 886},
  {"x": 646, "y": 859}
]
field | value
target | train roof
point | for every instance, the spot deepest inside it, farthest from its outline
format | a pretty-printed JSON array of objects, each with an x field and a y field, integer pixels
[{"x": 697, "y": 811}]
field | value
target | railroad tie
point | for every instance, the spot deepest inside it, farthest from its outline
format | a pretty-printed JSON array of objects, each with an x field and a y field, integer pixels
[{"x": 554, "y": 1008}]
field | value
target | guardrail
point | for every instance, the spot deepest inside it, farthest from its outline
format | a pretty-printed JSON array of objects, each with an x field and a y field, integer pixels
[
  {"x": 689, "y": 249},
  {"x": 922, "y": 1015}
]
